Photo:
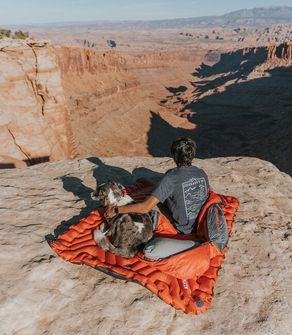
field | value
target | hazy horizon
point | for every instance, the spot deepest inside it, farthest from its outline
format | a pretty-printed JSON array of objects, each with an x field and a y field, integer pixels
[{"x": 17, "y": 12}]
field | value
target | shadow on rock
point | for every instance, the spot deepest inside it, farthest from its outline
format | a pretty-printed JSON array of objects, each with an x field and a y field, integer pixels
[
  {"x": 246, "y": 118},
  {"x": 75, "y": 185},
  {"x": 142, "y": 172},
  {"x": 102, "y": 173}
]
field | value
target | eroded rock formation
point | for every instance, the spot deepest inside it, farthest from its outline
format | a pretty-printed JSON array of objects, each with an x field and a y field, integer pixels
[
  {"x": 129, "y": 105},
  {"x": 239, "y": 106},
  {"x": 111, "y": 95},
  {"x": 34, "y": 119},
  {"x": 282, "y": 51}
]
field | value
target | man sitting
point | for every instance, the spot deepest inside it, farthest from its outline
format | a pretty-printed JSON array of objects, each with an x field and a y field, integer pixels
[{"x": 183, "y": 190}]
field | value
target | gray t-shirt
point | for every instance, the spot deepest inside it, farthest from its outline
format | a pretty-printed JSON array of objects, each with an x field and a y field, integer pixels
[{"x": 184, "y": 190}]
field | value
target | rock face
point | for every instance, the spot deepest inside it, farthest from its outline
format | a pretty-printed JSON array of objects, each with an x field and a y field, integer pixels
[
  {"x": 282, "y": 51},
  {"x": 111, "y": 95},
  {"x": 34, "y": 119},
  {"x": 135, "y": 104},
  {"x": 239, "y": 106},
  {"x": 253, "y": 293}
]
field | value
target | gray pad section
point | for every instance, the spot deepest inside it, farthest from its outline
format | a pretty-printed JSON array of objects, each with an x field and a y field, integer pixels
[
  {"x": 217, "y": 226},
  {"x": 163, "y": 247},
  {"x": 154, "y": 215}
]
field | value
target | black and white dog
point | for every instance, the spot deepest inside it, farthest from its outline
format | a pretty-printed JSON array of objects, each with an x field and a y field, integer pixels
[{"x": 123, "y": 234}]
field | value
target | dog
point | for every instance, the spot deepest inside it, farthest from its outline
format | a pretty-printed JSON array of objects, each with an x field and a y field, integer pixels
[{"x": 125, "y": 233}]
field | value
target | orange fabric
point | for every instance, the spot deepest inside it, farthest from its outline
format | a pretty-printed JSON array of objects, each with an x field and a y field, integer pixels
[{"x": 185, "y": 281}]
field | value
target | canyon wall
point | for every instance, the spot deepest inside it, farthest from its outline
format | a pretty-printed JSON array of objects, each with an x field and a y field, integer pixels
[
  {"x": 282, "y": 51},
  {"x": 111, "y": 95},
  {"x": 64, "y": 102},
  {"x": 239, "y": 106},
  {"x": 34, "y": 118},
  {"x": 60, "y": 102}
]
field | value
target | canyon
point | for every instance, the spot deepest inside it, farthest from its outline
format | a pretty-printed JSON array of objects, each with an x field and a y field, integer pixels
[
  {"x": 72, "y": 100},
  {"x": 82, "y": 104},
  {"x": 78, "y": 101}
]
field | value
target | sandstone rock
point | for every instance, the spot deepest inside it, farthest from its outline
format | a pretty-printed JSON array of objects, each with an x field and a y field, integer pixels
[
  {"x": 7, "y": 162},
  {"x": 34, "y": 120},
  {"x": 42, "y": 294},
  {"x": 282, "y": 51},
  {"x": 129, "y": 105},
  {"x": 111, "y": 95}
]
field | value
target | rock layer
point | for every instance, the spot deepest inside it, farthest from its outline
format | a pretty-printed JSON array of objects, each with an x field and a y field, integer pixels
[
  {"x": 122, "y": 104},
  {"x": 34, "y": 119},
  {"x": 252, "y": 295},
  {"x": 239, "y": 106},
  {"x": 111, "y": 95},
  {"x": 282, "y": 51}
]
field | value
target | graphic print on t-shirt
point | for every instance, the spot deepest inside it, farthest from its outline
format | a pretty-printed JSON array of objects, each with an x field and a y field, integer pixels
[{"x": 195, "y": 192}]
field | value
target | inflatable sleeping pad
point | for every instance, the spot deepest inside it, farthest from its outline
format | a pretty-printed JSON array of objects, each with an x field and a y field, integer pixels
[{"x": 185, "y": 280}]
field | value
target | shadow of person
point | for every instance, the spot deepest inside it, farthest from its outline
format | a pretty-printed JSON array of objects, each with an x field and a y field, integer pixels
[
  {"x": 151, "y": 175},
  {"x": 102, "y": 173},
  {"x": 75, "y": 185}
]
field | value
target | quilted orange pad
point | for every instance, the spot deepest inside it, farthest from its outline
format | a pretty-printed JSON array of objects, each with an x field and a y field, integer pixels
[{"x": 185, "y": 281}]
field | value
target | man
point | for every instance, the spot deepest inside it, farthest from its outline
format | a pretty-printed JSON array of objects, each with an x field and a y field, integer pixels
[{"x": 183, "y": 189}]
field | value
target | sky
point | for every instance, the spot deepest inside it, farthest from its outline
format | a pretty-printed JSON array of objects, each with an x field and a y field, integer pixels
[{"x": 45, "y": 11}]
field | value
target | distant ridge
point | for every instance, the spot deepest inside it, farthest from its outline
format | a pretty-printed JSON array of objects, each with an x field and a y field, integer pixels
[
  {"x": 256, "y": 17},
  {"x": 274, "y": 12}
]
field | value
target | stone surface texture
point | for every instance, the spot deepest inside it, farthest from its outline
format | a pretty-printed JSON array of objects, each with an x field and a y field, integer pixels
[
  {"x": 34, "y": 119},
  {"x": 42, "y": 294}
]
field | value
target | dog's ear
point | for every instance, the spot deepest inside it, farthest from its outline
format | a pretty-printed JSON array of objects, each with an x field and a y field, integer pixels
[
  {"x": 100, "y": 186},
  {"x": 112, "y": 184},
  {"x": 120, "y": 186}
]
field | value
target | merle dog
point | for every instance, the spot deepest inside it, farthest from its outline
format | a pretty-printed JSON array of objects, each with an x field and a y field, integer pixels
[{"x": 123, "y": 234}]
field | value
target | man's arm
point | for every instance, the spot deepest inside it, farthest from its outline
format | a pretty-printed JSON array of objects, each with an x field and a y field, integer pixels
[{"x": 140, "y": 207}]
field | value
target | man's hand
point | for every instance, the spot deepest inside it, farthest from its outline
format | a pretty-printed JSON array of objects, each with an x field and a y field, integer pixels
[
  {"x": 110, "y": 212},
  {"x": 140, "y": 207}
]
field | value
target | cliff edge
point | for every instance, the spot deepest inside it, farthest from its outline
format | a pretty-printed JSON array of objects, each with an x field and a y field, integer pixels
[{"x": 252, "y": 295}]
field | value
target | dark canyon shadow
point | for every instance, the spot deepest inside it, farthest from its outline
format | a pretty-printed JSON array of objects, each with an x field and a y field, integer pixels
[
  {"x": 241, "y": 61},
  {"x": 247, "y": 118},
  {"x": 232, "y": 66}
]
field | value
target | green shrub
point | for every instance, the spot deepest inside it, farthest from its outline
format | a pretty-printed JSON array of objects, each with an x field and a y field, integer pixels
[
  {"x": 5, "y": 33},
  {"x": 16, "y": 35},
  {"x": 21, "y": 35}
]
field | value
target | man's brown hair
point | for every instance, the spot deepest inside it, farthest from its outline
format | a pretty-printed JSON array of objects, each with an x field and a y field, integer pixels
[{"x": 183, "y": 151}]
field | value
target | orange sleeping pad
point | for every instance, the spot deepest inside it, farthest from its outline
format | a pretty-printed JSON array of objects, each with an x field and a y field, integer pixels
[{"x": 185, "y": 280}]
